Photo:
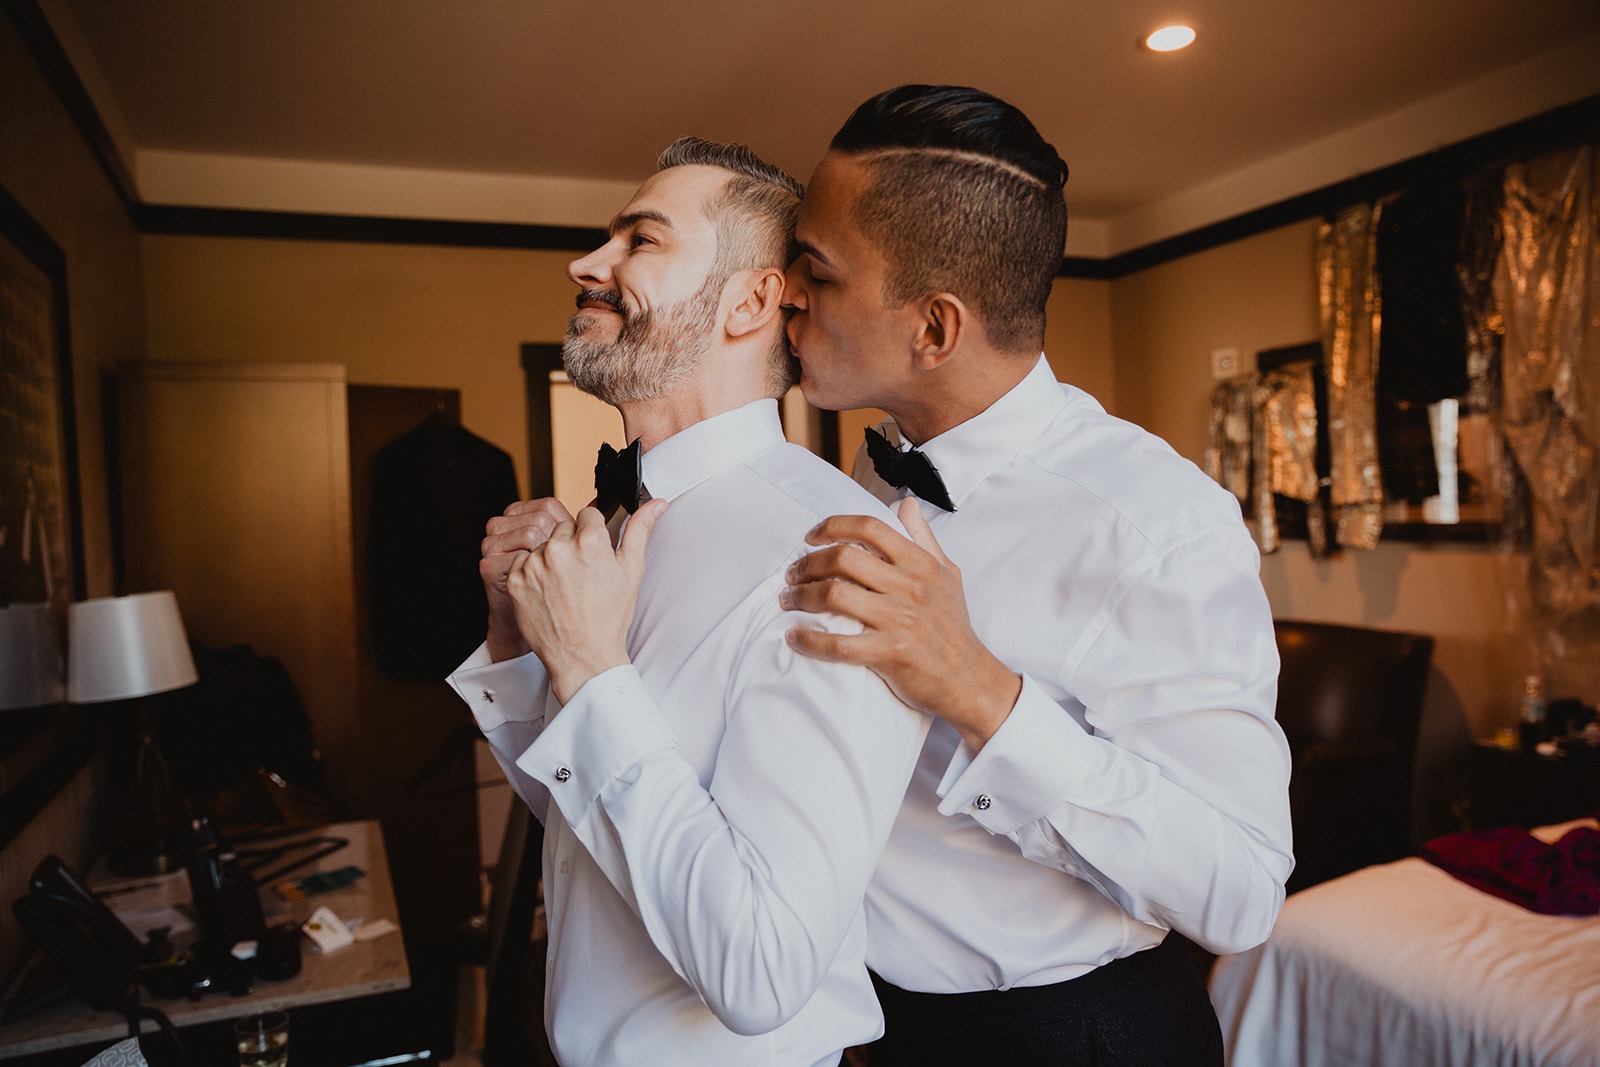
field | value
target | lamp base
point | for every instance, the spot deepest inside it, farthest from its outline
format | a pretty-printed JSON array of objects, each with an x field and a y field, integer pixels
[
  {"x": 145, "y": 827},
  {"x": 136, "y": 859}
]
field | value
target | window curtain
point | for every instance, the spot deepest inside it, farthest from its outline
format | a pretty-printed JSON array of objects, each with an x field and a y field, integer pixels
[{"x": 1547, "y": 288}]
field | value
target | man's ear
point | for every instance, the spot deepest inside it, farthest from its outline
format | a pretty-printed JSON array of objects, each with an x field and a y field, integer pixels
[
  {"x": 760, "y": 300},
  {"x": 943, "y": 324}
]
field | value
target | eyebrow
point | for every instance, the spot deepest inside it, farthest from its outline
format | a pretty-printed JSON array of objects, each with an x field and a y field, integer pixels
[
  {"x": 809, "y": 249},
  {"x": 633, "y": 218}
]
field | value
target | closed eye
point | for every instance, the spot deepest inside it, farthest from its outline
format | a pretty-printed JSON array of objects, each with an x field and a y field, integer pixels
[{"x": 809, "y": 265}]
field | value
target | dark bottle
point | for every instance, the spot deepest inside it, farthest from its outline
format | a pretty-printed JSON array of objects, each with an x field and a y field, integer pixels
[{"x": 205, "y": 880}]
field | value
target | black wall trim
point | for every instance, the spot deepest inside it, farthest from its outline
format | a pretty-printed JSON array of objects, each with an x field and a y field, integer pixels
[
  {"x": 41, "y": 40},
  {"x": 292, "y": 225},
  {"x": 1085, "y": 267},
  {"x": 1547, "y": 130}
]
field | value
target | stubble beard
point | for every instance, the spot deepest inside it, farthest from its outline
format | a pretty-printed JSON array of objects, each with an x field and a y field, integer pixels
[{"x": 653, "y": 351}]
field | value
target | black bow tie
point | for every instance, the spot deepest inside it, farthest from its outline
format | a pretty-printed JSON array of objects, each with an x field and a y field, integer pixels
[
  {"x": 616, "y": 479},
  {"x": 911, "y": 470}
]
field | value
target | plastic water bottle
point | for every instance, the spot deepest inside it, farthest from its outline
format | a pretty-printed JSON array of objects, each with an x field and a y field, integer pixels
[{"x": 1530, "y": 715}]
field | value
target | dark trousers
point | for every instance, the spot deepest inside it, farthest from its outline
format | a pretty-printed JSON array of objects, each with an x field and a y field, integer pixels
[{"x": 1147, "y": 1009}]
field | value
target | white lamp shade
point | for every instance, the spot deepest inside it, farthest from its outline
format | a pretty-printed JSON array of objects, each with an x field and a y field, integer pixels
[
  {"x": 31, "y": 671},
  {"x": 126, "y": 646}
]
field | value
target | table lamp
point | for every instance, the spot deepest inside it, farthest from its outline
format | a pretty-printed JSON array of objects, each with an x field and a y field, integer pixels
[
  {"x": 31, "y": 671},
  {"x": 130, "y": 648}
]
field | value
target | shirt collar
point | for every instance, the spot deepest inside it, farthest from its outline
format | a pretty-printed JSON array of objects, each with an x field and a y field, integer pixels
[
  {"x": 707, "y": 448},
  {"x": 968, "y": 453}
]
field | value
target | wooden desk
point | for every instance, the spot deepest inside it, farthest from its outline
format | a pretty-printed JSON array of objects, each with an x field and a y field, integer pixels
[{"x": 364, "y": 969}]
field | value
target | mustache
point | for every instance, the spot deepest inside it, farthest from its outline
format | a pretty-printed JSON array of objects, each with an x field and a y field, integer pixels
[{"x": 600, "y": 296}]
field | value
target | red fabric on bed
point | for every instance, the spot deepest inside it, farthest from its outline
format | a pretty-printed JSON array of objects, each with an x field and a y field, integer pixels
[{"x": 1512, "y": 864}]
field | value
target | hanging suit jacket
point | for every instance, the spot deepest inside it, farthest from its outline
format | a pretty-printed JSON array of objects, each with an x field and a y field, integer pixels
[{"x": 433, "y": 490}]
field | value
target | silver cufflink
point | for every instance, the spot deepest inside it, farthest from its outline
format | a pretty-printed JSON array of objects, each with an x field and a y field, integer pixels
[
  {"x": 562, "y": 774},
  {"x": 488, "y": 696},
  {"x": 983, "y": 802}
]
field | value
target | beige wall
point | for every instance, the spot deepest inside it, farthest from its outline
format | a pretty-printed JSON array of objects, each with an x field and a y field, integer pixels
[
  {"x": 392, "y": 314},
  {"x": 447, "y": 317},
  {"x": 1077, "y": 337},
  {"x": 1166, "y": 321}
]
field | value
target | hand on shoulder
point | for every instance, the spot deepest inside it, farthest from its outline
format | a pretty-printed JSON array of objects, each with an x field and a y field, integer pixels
[{"x": 916, "y": 636}]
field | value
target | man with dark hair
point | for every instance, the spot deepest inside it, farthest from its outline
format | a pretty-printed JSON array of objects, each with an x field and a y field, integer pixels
[
  {"x": 714, "y": 803},
  {"x": 1078, "y": 606}
]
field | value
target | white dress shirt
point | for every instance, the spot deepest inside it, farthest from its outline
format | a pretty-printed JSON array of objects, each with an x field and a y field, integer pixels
[
  {"x": 1140, "y": 784},
  {"x": 713, "y": 811}
]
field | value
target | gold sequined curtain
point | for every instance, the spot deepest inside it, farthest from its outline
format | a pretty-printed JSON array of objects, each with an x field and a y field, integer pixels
[
  {"x": 1352, "y": 317},
  {"x": 1228, "y": 436},
  {"x": 1286, "y": 452},
  {"x": 1547, "y": 286}
]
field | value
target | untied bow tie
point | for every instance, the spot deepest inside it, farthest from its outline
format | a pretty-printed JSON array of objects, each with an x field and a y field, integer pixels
[
  {"x": 910, "y": 470},
  {"x": 616, "y": 479}
]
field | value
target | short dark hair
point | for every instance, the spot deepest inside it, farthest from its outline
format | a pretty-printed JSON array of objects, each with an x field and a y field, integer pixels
[
  {"x": 965, "y": 196},
  {"x": 754, "y": 216}
]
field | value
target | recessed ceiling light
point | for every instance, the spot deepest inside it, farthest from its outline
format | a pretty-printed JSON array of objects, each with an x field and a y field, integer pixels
[{"x": 1170, "y": 39}]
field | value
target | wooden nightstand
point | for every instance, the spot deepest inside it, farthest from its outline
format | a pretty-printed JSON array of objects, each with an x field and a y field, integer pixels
[{"x": 1509, "y": 787}]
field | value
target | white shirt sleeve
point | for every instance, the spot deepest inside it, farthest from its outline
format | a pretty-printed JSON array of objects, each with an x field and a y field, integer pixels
[
  {"x": 1174, "y": 803},
  {"x": 508, "y": 700},
  {"x": 748, "y": 884}
]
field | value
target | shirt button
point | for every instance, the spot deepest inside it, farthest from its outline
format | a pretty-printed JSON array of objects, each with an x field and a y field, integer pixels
[
  {"x": 983, "y": 802},
  {"x": 563, "y": 774}
]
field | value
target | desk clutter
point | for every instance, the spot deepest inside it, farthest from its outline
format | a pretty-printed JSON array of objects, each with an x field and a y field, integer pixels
[
  {"x": 231, "y": 929},
  {"x": 199, "y": 930}
]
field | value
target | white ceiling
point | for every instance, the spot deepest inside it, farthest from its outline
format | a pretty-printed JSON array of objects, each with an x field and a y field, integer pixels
[{"x": 528, "y": 111}]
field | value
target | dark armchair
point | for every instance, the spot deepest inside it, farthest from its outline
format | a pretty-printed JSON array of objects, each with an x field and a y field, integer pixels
[{"x": 1350, "y": 703}]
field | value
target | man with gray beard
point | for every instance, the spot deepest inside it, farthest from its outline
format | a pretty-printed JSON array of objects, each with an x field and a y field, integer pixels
[
  {"x": 649, "y": 355},
  {"x": 714, "y": 804}
]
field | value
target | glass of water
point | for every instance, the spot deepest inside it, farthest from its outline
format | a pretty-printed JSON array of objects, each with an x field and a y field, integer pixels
[{"x": 263, "y": 1039}]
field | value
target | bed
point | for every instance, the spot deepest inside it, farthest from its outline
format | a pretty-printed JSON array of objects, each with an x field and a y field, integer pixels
[{"x": 1403, "y": 964}]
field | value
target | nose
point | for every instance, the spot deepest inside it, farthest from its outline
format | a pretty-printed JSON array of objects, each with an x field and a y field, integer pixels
[
  {"x": 592, "y": 270},
  {"x": 794, "y": 290}
]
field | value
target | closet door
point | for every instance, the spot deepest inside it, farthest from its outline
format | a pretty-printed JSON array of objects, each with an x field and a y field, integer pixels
[{"x": 236, "y": 495}]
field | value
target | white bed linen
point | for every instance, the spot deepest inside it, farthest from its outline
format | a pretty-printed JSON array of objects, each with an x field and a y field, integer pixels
[{"x": 1403, "y": 964}]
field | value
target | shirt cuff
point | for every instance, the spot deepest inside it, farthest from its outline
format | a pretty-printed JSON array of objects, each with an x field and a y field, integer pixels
[
  {"x": 509, "y": 691},
  {"x": 1016, "y": 778},
  {"x": 608, "y": 726}
]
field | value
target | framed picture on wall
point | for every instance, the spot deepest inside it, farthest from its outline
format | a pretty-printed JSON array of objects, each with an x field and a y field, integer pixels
[
  {"x": 41, "y": 538},
  {"x": 42, "y": 747}
]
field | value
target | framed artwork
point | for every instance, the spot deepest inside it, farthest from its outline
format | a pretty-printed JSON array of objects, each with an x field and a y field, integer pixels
[
  {"x": 1463, "y": 502},
  {"x": 42, "y": 746},
  {"x": 41, "y": 533}
]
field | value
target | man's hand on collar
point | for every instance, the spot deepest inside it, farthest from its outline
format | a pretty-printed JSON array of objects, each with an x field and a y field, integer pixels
[
  {"x": 574, "y": 595},
  {"x": 524, "y": 527}
]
